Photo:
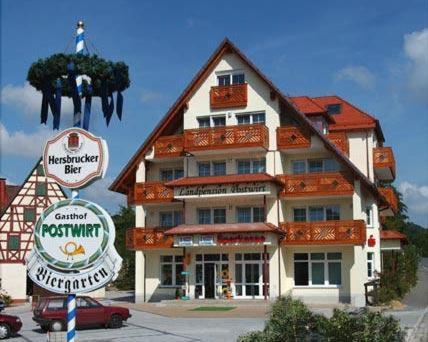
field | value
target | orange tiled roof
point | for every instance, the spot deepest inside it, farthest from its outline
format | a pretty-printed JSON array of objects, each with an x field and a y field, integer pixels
[
  {"x": 310, "y": 107},
  {"x": 256, "y": 227},
  {"x": 226, "y": 179},
  {"x": 392, "y": 235}
]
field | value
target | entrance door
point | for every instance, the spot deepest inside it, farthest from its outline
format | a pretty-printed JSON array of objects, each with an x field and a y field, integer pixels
[
  {"x": 209, "y": 279},
  {"x": 252, "y": 280}
]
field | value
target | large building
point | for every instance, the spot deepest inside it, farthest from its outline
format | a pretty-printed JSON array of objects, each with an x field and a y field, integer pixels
[{"x": 243, "y": 192}]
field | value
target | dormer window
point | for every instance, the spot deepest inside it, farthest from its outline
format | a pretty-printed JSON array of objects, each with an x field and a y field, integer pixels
[
  {"x": 228, "y": 79},
  {"x": 334, "y": 108}
]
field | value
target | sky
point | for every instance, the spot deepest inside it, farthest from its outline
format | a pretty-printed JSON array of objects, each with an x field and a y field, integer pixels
[{"x": 372, "y": 53}]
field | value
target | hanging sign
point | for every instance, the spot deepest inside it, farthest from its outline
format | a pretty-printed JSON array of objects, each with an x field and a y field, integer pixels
[
  {"x": 74, "y": 248},
  {"x": 75, "y": 157}
]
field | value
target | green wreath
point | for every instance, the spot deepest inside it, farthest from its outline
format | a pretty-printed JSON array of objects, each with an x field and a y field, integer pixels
[{"x": 53, "y": 68}]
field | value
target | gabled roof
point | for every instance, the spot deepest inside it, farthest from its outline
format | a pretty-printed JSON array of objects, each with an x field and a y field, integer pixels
[
  {"x": 127, "y": 176},
  {"x": 392, "y": 235},
  {"x": 310, "y": 107},
  {"x": 350, "y": 117}
]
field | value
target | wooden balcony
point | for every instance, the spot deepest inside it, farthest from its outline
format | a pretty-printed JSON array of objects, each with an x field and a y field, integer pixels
[
  {"x": 351, "y": 232},
  {"x": 292, "y": 137},
  {"x": 392, "y": 202},
  {"x": 340, "y": 140},
  {"x": 255, "y": 137},
  {"x": 150, "y": 192},
  {"x": 169, "y": 146},
  {"x": 384, "y": 163},
  {"x": 317, "y": 184},
  {"x": 231, "y": 96},
  {"x": 147, "y": 238}
]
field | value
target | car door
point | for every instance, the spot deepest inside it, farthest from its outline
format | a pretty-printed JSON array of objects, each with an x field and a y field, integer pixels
[{"x": 89, "y": 312}]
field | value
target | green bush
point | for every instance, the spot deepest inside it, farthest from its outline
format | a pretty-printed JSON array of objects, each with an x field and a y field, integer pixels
[{"x": 290, "y": 320}]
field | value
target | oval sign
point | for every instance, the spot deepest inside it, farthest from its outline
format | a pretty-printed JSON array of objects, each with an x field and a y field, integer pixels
[
  {"x": 73, "y": 234},
  {"x": 75, "y": 157}
]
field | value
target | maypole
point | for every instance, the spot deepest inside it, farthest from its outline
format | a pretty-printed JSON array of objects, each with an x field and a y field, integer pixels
[{"x": 80, "y": 46}]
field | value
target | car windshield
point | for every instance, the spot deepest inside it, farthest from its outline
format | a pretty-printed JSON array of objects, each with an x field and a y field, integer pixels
[{"x": 41, "y": 304}]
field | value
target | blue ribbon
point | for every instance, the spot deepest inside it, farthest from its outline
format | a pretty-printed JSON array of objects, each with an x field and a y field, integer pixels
[
  {"x": 77, "y": 102},
  {"x": 57, "y": 113},
  {"x": 88, "y": 103}
]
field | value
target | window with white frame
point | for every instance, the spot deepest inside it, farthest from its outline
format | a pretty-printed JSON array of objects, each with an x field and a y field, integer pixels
[
  {"x": 219, "y": 215},
  {"x": 232, "y": 78},
  {"x": 250, "y": 214},
  {"x": 299, "y": 214},
  {"x": 219, "y": 168},
  {"x": 171, "y": 268},
  {"x": 211, "y": 215},
  {"x": 298, "y": 166},
  {"x": 317, "y": 269},
  {"x": 370, "y": 265},
  {"x": 244, "y": 166},
  {"x": 318, "y": 213},
  {"x": 204, "y": 215},
  {"x": 214, "y": 168},
  {"x": 204, "y": 122},
  {"x": 249, "y": 274},
  {"x": 204, "y": 169},
  {"x": 369, "y": 216},
  {"x": 251, "y": 118},
  {"x": 314, "y": 165},
  {"x": 170, "y": 218},
  {"x": 166, "y": 175},
  {"x": 212, "y": 121},
  {"x": 219, "y": 121}
]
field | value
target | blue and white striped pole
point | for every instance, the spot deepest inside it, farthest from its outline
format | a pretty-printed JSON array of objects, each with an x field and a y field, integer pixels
[
  {"x": 71, "y": 317},
  {"x": 80, "y": 46}
]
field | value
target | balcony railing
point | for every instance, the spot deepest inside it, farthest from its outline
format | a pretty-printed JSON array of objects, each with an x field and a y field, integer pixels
[
  {"x": 291, "y": 137},
  {"x": 351, "y": 232},
  {"x": 384, "y": 162},
  {"x": 230, "y": 96},
  {"x": 147, "y": 238},
  {"x": 150, "y": 192},
  {"x": 169, "y": 146},
  {"x": 317, "y": 184},
  {"x": 340, "y": 140},
  {"x": 240, "y": 136},
  {"x": 390, "y": 197}
]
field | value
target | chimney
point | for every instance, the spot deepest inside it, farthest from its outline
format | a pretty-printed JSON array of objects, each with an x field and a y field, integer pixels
[{"x": 3, "y": 194}]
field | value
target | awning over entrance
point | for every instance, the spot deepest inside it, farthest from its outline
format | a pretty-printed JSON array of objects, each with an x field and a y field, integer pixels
[
  {"x": 391, "y": 240},
  {"x": 225, "y": 228}
]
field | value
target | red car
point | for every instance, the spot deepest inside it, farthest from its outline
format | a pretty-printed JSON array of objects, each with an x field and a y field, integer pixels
[
  {"x": 51, "y": 313},
  {"x": 9, "y": 325}
]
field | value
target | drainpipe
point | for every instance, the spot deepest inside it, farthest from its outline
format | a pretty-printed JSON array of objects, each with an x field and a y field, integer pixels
[{"x": 279, "y": 267}]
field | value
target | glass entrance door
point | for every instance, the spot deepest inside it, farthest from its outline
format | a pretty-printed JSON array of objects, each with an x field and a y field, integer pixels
[
  {"x": 209, "y": 280},
  {"x": 252, "y": 280}
]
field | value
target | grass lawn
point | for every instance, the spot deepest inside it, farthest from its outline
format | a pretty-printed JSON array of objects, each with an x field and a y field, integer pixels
[{"x": 213, "y": 308}]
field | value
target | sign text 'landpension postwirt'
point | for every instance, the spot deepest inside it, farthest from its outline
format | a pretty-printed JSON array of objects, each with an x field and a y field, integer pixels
[{"x": 254, "y": 188}]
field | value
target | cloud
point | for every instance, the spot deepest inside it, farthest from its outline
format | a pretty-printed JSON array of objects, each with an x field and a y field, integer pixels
[
  {"x": 28, "y": 99},
  {"x": 98, "y": 192},
  {"x": 19, "y": 143},
  {"x": 416, "y": 50},
  {"x": 358, "y": 74},
  {"x": 416, "y": 198},
  {"x": 148, "y": 96}
]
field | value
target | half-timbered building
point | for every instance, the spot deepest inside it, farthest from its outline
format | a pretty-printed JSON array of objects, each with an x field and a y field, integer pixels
[{"x": 243, "y": 192}]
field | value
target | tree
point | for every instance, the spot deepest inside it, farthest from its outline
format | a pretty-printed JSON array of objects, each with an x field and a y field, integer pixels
[{"x": 123, "y": 220}]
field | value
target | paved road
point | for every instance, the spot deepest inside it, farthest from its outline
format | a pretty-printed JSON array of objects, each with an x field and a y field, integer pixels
[{"x": 144, "y": 326}]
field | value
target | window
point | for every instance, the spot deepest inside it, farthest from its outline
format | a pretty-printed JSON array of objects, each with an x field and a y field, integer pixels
[
  {"x": 166, "y": 175},
  {"x": 335, "y": 108},
  {"x": 223, "y": 80},
  {"x": 56, "y": 305},
  {"x": 219, "y": 121},
  {"x": 171, "y": 268},
  {"x": 332, "y": 212},
  {"x": 41, "y": 189},
  {"x": 204, "y": 169},
  {"x": 316, "y": 214},
  {"x": 243, "y": 119},
  {"x": 315, "y": 165},
  {"x": 299, "y": 214},
  {"x": 30, "y": 214},
  {"x": 317, "y": 269},
  {"x": 170, "y": 218},
  {"x": 370, "y": 265},
  {"x": 320, "y": 124},
  {"x": 204, "y": 216},
  {"x": 219, "y": 215},
  {"x": 246, "y": 119},
  {"x": 249, "y": 274},
  {"x": 244, "y": 166},
  {"x": 331, "y": 165},
  {"x": 219, "y": 168},
  {"x": 238, "y": 79},
  {"x": 40, "y": 170},
  {"x": 369, "y": 215},
  {"x": 248, "y": 214},
  {"x": 13, "y": 242},
  {"x": 298, "y": 166},
  {"x": 204, "y": 122}
]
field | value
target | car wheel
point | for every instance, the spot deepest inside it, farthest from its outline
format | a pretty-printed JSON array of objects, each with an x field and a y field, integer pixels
[
  {"x": 56, "y": 326},
  {"x": 116, "y": 321},
  {"x": 4, "y": 331}
]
